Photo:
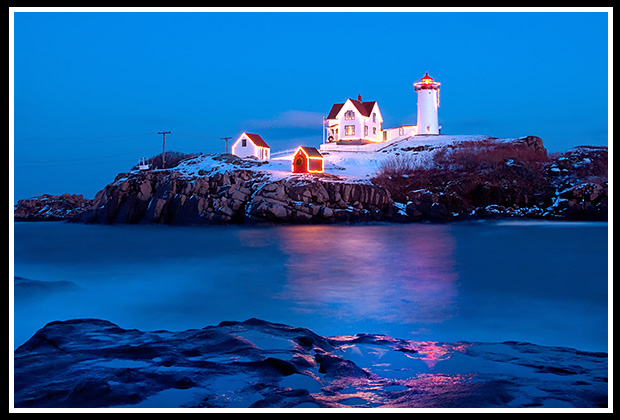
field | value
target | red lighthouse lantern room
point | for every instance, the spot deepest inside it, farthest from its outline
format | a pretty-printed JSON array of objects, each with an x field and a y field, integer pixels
[
  {"x": 307, "y": 160},
  {"x": 427, "y": 82}
]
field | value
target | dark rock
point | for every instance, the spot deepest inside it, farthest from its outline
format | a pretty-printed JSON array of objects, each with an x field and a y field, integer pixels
[
  {"x": 533, "y": 143},
  {"x": 335, "y": 366},
  {"x": 94, "y": 363},
  {"x": 50, "y": 207},
  {"x": 426, "y": 205},
  {"x": 282, "y": 366},
  {"x": 238, "y": 196}
]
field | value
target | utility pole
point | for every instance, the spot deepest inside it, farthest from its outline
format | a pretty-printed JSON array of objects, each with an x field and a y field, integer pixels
[
  {"x": 163, "y": 149},
  {"x": 226, "y": 139}
]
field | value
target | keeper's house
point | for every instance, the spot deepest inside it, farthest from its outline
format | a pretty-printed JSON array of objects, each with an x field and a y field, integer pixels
[{"x": 354, "y": 122}]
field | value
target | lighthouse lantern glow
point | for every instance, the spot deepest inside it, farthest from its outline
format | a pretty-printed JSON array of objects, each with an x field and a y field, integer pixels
[{"x": 428, "y": 103}]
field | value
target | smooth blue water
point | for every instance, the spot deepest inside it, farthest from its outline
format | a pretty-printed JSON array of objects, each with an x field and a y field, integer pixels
[{"x": 541, "y": 282}]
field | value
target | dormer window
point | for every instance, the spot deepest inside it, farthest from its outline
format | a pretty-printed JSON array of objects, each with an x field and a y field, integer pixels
[{"x": 349, "y": 115}]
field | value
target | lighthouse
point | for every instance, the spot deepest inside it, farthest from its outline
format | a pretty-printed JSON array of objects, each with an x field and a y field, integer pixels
[{"x": 428, "y": 102}]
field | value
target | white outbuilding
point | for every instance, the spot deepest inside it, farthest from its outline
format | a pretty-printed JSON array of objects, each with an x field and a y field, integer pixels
[{"x": 251, "y": 145}]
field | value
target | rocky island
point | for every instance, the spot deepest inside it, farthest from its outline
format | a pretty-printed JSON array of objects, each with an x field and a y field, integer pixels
[{"x": 437, "y": 178}]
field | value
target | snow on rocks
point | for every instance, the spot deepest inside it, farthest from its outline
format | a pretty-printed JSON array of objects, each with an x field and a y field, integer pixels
[
  {"x": 348, "y": 163},
  {"x": 222, "y": 188}
]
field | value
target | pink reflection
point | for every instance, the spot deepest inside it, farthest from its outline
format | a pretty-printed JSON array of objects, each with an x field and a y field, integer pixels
[
  {"x": 393, "y": 273},
  {"x": 431, "y": 352},
  {"x": 440, "y": 379}
]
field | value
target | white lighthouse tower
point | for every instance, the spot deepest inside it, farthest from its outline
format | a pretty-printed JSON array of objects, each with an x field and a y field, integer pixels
[{"x": 428, "y": 102}]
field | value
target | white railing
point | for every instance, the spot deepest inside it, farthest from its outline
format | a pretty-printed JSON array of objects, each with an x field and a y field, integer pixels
[
  {"x": 371, "y": 147},
  {"x": 282, "y": 153}
]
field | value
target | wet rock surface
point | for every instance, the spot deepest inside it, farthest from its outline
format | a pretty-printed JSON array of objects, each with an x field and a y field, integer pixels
[{"x": 255, "y": 363}]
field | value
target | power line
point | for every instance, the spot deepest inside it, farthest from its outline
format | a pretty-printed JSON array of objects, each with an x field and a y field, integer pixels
[
  {"x": 78, "y": 161},
  {"x": 94, "y": 157},
  {"x": 177, "y": 134},
  {"x": 82, "y": 138}
]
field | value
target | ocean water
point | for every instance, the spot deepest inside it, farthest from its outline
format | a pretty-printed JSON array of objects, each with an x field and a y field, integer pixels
[{"x": 540, "y": 282}]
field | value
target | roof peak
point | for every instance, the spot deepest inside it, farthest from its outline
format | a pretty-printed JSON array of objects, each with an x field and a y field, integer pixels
[
  {"x": 256, "y": 139},
  {"x": 365, "y": 108}
]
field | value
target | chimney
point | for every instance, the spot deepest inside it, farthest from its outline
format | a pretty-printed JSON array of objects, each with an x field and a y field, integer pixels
[{"x": 359, "y": 98}]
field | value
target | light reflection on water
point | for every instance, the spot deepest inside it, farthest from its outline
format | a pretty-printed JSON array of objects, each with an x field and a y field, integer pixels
[
  {"x": 372, "y": 273},
  {"x": 543, "y": 283}
]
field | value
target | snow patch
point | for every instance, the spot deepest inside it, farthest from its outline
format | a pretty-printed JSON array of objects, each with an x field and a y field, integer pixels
[{"x": 347, "y": 164}]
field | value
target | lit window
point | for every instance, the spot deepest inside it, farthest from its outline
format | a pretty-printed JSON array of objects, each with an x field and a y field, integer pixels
[
  {"x": 365, "y": 131},
  {"x": 349, "y": 115},
  {"x": 349, "y": 130}
]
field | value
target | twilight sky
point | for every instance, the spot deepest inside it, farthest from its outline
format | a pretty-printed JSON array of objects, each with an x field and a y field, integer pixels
[{"x": 93, "y": 89}]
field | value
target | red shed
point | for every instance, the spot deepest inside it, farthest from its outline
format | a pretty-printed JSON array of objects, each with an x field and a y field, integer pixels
[{"x": 307, "y": 160}]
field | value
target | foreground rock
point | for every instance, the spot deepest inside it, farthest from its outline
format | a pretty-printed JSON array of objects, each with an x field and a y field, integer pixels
[{"x": 94, "y": 363}]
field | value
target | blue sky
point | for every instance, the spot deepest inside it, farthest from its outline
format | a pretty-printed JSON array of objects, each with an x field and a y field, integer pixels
[{"x": 93, "y": 89}]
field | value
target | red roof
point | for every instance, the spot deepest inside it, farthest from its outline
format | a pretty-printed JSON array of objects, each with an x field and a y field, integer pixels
[
  {"x": 311, "y": 151},
  {"x": 257, "y": 140},
  {"x": 426, "y": 82},
  {"x": 427, "y": 78},
  {"x": 334, "y": 111},
  {"x": 365, "y": 108}
]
